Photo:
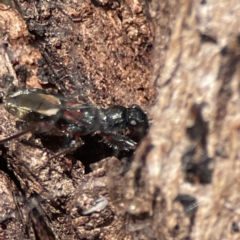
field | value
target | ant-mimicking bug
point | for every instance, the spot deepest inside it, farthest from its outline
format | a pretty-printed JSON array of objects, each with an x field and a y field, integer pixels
[{"x": 120, "y": 127}]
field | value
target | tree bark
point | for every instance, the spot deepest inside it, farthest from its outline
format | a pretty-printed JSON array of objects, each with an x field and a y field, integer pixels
[
  {"x": 187, "y": 167},
  {"x": 183, "y": 181}
]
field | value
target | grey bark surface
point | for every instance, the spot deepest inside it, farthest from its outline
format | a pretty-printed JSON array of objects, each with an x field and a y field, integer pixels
[
  {"x": 94, "y": 52},
  {"x": 187, "y": 167}
]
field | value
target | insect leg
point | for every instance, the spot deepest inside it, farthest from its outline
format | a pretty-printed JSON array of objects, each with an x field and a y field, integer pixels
[
  {"x": 74, "y": 144},
  {"x": 119, "y": 142},
  {"x": 35, "y": 127}
]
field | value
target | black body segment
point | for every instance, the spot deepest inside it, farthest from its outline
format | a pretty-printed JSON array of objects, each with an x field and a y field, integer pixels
[{"x": 120, "y": 127}]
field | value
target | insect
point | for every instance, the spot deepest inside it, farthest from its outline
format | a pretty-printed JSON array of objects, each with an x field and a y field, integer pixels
[{"x": 120, "y": 127}]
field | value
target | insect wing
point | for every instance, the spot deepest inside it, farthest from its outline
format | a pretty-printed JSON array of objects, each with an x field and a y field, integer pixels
[
  {"x": 33, "y": 105},
  {"x": 83, "y": 118}
]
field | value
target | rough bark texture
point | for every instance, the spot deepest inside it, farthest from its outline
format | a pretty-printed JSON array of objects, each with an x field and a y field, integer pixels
[
  {"x": 187, "y": 168},
  {"x": 183, "y": 181}
]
